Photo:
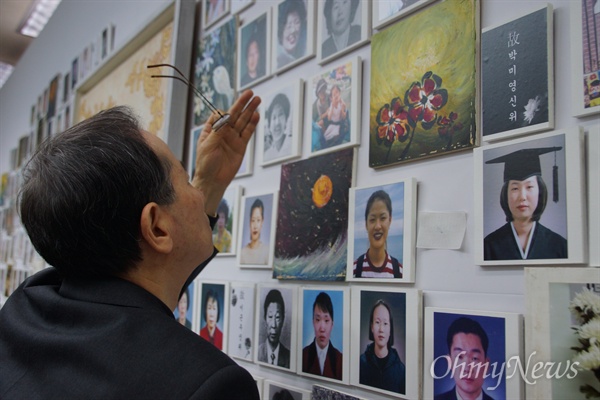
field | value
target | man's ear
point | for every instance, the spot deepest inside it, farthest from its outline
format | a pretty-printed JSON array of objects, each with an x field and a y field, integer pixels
[{"x": 155, "y": 228}]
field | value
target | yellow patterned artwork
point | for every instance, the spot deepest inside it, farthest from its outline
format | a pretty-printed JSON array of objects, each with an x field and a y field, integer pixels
[{"x": 130, "y": 84}]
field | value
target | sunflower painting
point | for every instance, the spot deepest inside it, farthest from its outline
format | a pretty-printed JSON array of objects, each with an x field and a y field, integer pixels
[{"x": 423, "y": 99}]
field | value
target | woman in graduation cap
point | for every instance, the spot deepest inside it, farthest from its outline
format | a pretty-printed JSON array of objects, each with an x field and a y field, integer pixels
[{"x": 523, "y": 198}]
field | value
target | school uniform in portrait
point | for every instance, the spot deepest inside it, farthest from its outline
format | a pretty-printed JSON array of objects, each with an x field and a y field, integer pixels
[
  {"x": 451, "y": 395},
  {"x": 283, "y": 355},
  {"x": 501, "y": 244},
  {"x": 113, "y": 309},
  {"x": 332, "y": 368},
  {"x": 388, "y": 375}
]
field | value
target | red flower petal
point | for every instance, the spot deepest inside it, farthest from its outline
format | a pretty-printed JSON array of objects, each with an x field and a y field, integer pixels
[
  {"x": 428, "y": 115},
  {"x": 414, "y": 93},
  {"x": 428, "y": 86},
  {"x": 437, "y": 101}
]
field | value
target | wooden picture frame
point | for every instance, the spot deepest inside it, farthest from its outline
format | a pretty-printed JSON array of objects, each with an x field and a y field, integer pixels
[
  {"x": 333, "y": 331},
  {"x": 270, "y": 322},
  {"x": 399, "y": 237},
  {"x": 213, "y": 292},
  {"x": 254, "y": 42},
  {"x": 335, "y": 127},
  {"x": 517, "y": 75},
  {"x": 432, "y": 107},
  {"x": 386, "y": 12},
  {"x": 585, "y": 71},
  {"x": 282, "y": 391},
  {"x": 173, "y": 23},
  {"x": 240, "y": 340},
  {"x": 503, "y": 332},
  {"x": 561, "y": 238},
  {"x": 213, "y": 11},
  {"x": 230, "y": 204},
  {"x": 280, "y": 125},
  {"x": 293, "y": 38},
  {"x": 548, "y": 330},
  {"x": 313, "y": 200},
  {"x": 261, "y": 256},
  {"x": 356, "y": 22},
  {"x": 399, "y": 312}
]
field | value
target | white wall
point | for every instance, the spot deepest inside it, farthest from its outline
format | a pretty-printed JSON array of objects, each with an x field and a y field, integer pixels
[{"x": 448, "y": 278}]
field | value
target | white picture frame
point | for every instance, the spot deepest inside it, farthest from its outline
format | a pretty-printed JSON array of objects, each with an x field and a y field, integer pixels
[
  {"x": 387, "y": 11},
  {"x": 565, "y": 217},
  {"x": 262, "y": 257},
  {"x": 346, "y": 77},
  {"x": 401, "y": 235},
  {"x": 286, "y": 99},
  {"x": 548, "y": 330},
  {"x": 404, "y": 310},
  {"x": 504, "y": 334},
  {"x": 192, "y": 141},
  {"x": 241, "y": 343},
  {"x": 238, "y": 6},
  {"x": 593, "y": 172},
  {"x": 273, "y": 388},
  {"x": 292, "y": 45},
  {"x": 273, "y": 293},
  {"x": 221, "y": 288},
  {"x": 247, "y": 166},
  {"x": 577, "y": 64},
  {"x": 523, "y": 63},
  {"x": 254, "y": 39},
  {"x": 337, "y": 333},
  {"x": 231, "y": 197},
  {"x": 358, "y": 26},
  {"x": 211, "y": 15}
]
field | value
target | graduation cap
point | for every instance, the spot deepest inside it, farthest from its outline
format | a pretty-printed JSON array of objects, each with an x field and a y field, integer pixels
[{"x": 525, "y": 163}]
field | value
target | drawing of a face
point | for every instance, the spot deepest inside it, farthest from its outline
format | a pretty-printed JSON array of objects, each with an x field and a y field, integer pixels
[
  {"x": 523, "y": 198},
  {"x": 323, "y": 324},
  {"x": 291, "y": 32}
]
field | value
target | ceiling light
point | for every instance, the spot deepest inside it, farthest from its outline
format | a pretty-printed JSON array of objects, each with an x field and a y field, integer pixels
[{"x": 36, "y": 18}]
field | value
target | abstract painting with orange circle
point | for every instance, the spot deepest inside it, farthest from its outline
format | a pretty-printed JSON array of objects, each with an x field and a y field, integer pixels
[{"x": 311, "y": 241}]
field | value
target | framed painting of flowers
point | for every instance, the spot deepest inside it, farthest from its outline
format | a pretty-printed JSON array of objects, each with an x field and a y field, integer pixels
[{"x": 424, "y": 85}]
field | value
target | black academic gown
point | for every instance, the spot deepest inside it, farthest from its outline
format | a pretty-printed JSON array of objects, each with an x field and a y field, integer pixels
[{"x": 545, "y": 244}]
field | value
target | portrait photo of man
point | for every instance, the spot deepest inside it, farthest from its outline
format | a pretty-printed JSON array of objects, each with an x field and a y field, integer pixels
[{"x": 274, "y": 341}]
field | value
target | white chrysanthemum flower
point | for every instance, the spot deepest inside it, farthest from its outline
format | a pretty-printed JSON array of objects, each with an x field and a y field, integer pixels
[
  {"x": 533, "y": 106},
  {"x": 589, "y": 359},
  {"x": 585, "y": 303},
  {"x": 591, "y": 331}
]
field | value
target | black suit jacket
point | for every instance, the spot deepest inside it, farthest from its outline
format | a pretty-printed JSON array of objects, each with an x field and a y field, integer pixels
[
  {"x": 451, "y": 395},
  {"x": 107, "y": 339}
]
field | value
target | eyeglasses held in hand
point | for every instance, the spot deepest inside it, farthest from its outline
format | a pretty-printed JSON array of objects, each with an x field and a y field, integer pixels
[{"x": 223, "y": 118}]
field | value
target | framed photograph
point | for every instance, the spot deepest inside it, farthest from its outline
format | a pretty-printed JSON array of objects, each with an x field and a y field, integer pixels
[
  {"x": 248, "y": 161},
  {"x": 193, "y": 137},
  {"x": 259, "y": 384},
  {"x": 517, "y": 75},
  {"x": 325, "y": 325},
  {"x": 529, "y": 204},
  {"x": 326, "y": 393},
  {"x": 240, "y": 5},
  {"x": 280, "y": 124},
  {"x": 313, "y": 200},
  {"x": 387, "y": 11},
  {"x": 293, "y": 33},
  {"x": 257, "y": 231},
  {"x": 472, "y": 353},
  {"x": 336, "y": 107},
  {"x": 431, "y": 108},
  {"x": 53, "y": 96},
  {"x": 184, "y": 313},
  {"x": 214, "y": 69},
  {"x": 279, "y": 391},
  {"x": 276, "y": 327},
  {"x": 382, "y": 232},
  {"x": 212, "y": 312},
  {"x": 562, "y": 305},
  {"x": 593, "y": 172},
  {"x": 585, "y": 37},
  {"x": 241, "y": 320},
  {"x": 213, "y": 11},
  {"x": 254, "y": 52},
  {"x": 342, "y": 26},
  {"x": 124, "y": 79},
  {"x": 226, "y": 229},
  {"x": 388, "y": 325}
]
